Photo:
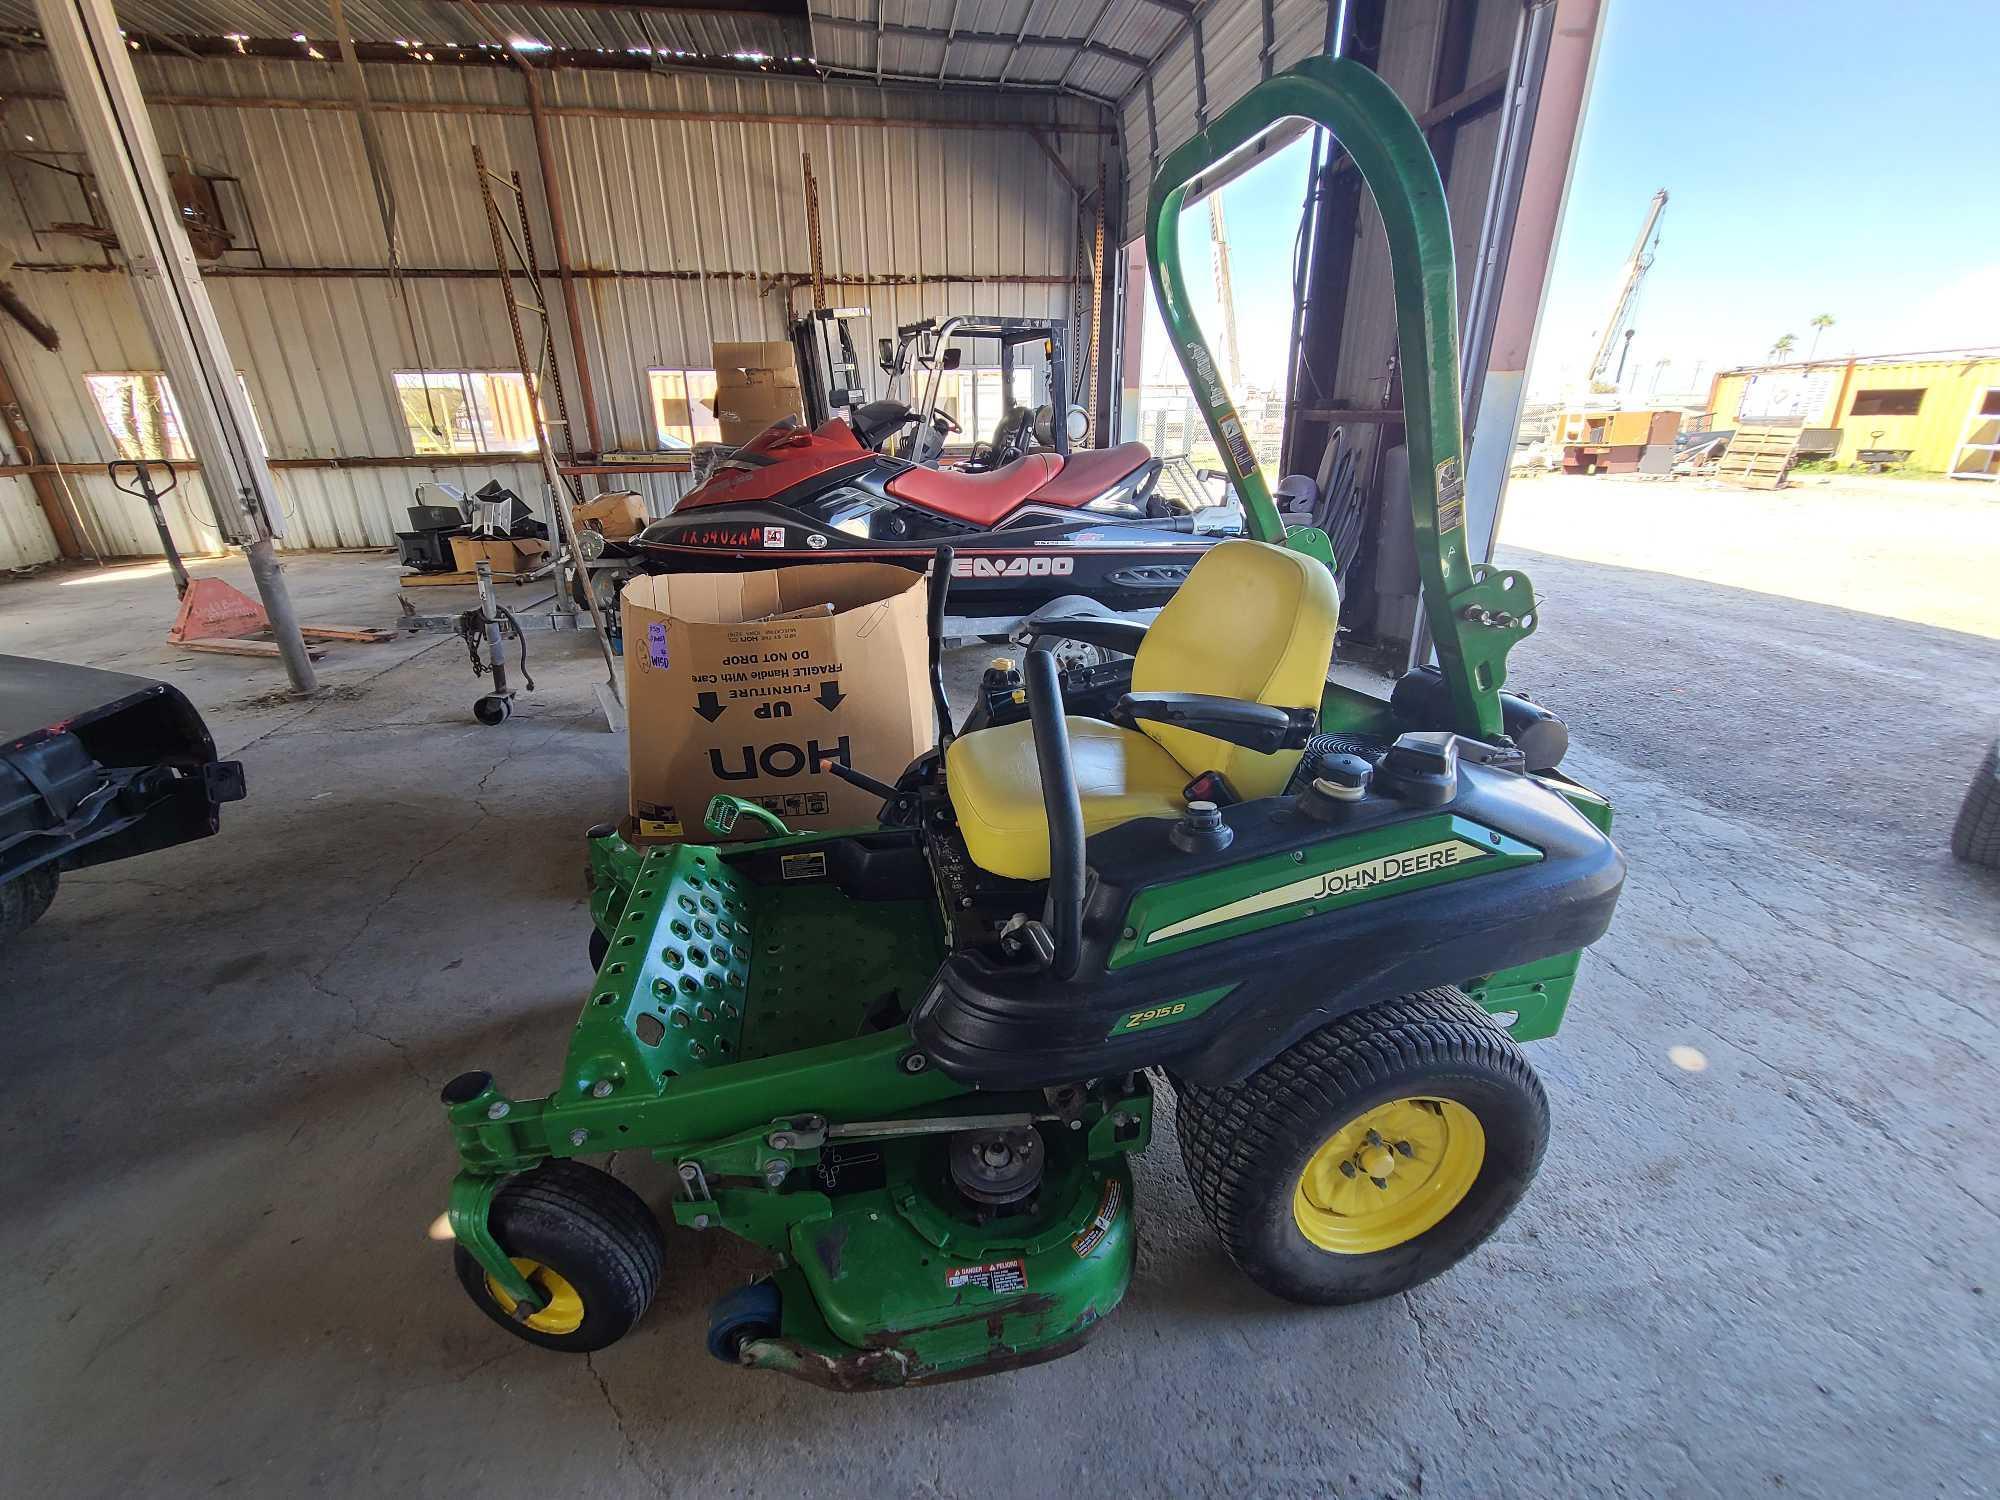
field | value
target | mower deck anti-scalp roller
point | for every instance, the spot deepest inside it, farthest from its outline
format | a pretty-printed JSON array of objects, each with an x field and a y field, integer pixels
[{"x": 910, "y": 1063}]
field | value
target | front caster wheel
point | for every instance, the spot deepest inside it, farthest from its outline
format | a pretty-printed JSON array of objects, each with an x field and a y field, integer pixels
[
  {"x": 583, "y": 1239},
  {"x": 1371, "y": 1155},
  {"x": 493, "y": 709},
  {"x": 750, "y": 1312}
]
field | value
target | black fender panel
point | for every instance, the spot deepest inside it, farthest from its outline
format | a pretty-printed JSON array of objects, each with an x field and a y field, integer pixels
[{"x": 994, "y": 1026}]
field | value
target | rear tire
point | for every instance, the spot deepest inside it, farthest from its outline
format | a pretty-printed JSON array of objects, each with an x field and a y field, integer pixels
[
  {"x": 24, "y": 898},
  {"x": 1975, "y": 838},
  {"x": 588, "y": 1237},
  {"x": 1257, "y": 1151}
]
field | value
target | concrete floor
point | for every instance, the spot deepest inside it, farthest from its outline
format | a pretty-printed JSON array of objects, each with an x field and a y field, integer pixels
[{"x": 1777, "y": 1274}]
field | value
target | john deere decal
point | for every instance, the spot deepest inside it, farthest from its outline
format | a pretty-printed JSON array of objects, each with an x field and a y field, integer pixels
[{"x": 1373, "y": 872}]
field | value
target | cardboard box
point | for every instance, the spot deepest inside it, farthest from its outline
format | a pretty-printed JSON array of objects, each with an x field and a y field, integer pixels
[
  {"x": 618, "y": 514},
  {"x": 506, "y": 556},
  {"x": 756, "y": 384},
  {"x": 722, "y": 697}
]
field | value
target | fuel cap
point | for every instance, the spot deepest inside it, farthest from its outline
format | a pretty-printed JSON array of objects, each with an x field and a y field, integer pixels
[
  {"x": 1201, "y": 830},
  {"x": 1345, "y": 777},
  {"x": 1339, "y": 782}
]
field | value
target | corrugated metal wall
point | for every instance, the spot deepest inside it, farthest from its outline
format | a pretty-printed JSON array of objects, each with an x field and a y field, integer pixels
[
  {"x": 657, "y": 198},
  {"x": 1232, "y": 51},
  {"x": 1368, "y": 340}
]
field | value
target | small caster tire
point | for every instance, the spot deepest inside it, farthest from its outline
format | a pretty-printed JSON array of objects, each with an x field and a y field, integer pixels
[
  {"x": 746, "y": 1314},
  {"x": 585, "y": 1240},
  {"x": 1371, "y": 1155},
  {"x": 600, "y": 947},
  {"x": 493, "y": 709}
]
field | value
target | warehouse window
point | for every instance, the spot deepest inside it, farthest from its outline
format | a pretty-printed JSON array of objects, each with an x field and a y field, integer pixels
[
  {"x": 1887, "y": 403},
  {"x": 684, "y": 408},
  {"x": 144, "y": 420},
  {"x": 467, "y": 411}
]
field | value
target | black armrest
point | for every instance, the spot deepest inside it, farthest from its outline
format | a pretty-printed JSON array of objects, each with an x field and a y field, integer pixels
[
  {"x": 1110, "y": 632},
  {"x": 1254, "y": 726}
]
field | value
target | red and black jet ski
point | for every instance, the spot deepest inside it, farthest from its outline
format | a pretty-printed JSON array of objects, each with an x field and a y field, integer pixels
[{"x": 1025, "y": 530}]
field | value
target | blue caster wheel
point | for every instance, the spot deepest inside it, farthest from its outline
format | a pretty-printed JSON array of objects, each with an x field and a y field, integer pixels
[{"x": 750, "y": 1312}]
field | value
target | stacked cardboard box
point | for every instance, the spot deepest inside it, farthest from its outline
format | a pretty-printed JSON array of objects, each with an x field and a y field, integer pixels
[{"x": 756, "y": 384}]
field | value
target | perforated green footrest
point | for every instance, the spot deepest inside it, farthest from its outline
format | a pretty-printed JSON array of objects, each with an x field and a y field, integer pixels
[{"x": 669, "y": 998}]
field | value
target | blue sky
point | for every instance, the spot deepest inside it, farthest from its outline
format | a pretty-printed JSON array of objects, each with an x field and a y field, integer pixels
[{"x": 1826, "y": 157}]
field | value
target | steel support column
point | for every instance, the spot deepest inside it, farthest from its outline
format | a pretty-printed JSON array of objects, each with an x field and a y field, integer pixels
[
  {"x": 90, "y": 57},
  {"x": 1336, "y": 230},
  {"x": 552, "y": 199},
  {"x": 46, "y": 485},
  {"x": 1538, "y": 150}
]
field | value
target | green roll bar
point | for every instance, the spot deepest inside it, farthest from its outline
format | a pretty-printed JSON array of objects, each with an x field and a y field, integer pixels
[{"x": 1476, "y": 613}]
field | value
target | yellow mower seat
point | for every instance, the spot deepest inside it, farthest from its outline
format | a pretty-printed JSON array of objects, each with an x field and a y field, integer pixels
[
  {"x": 1253, "y": 621},
  {"x": 996, "y": 789}
]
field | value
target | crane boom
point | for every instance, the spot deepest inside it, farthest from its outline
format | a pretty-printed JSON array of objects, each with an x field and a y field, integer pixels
[
  {"x": 1218, "y": 231},
  {"x": 1634, "y": 272}
]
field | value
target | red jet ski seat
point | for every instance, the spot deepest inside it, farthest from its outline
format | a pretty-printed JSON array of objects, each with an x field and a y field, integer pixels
[
  {"x": 983, "y": 499},
  {"x": 1088, "y": 474},
  {"x": 986, "y": 499}
]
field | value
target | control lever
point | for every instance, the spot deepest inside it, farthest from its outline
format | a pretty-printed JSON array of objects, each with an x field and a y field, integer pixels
[{"x": 861, "y": 779}]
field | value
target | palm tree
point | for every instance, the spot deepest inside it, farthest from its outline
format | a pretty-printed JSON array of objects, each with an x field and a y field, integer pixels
[
  {"x": 1785, "y": 344},
  {"x": 1820, "y": 325}
]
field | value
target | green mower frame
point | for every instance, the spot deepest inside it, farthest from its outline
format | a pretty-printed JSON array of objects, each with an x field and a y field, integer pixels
[{"x": 801, "y": 1028}]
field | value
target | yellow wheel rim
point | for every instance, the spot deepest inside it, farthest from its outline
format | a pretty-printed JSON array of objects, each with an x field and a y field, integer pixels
[
  {"x": 564, "y": 1312},
  {"x": 1385, "y": 1178}
]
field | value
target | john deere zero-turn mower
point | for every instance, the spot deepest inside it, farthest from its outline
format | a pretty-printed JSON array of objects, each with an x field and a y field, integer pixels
[{"x": 912, "y": 1061}]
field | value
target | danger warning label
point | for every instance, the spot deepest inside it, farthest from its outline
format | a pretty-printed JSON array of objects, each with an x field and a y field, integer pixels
[
  {"x": 1100, "y": 1222},
  {"x": 1451, "y": 496},
  {"x": 1239, "y": 445},
  {"x": 994, "y": 1276},
  {"x": 803, "y": 866}
]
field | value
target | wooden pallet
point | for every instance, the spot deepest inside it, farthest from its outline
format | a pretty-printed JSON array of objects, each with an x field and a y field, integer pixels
[
  {"x": 1758, "y": 457},
  {"x": 226, "y": 646},
  {"x": 456, "y": 580}
]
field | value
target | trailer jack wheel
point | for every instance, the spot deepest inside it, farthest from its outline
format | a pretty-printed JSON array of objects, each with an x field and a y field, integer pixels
[{"x": 493, "y": 708}]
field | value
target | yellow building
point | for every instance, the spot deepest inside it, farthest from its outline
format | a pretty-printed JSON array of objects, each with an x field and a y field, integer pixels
[{"x": 1937, "y": 411}]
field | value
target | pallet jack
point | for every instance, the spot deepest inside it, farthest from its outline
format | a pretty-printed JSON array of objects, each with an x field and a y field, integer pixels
[{"x": 215, "y": 616}]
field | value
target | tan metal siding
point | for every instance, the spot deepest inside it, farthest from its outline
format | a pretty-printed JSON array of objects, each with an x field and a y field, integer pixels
[
  {"x": 983, "y": 207},
  {"x": 1233, "y": 40}
]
